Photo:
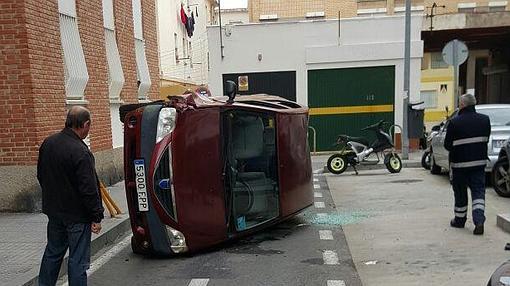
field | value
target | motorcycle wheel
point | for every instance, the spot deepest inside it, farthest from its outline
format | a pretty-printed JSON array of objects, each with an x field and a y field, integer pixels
[
  {"x": 392, "y": 162},
  {"x": 425, "y": 160},
  {"x": 337, "y": 164}
]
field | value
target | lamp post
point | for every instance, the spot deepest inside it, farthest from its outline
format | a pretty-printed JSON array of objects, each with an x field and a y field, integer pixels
[{"x": 407, "y": 70}]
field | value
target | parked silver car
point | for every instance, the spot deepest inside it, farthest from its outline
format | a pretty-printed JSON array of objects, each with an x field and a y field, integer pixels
[{"x": 499, "y": 115}]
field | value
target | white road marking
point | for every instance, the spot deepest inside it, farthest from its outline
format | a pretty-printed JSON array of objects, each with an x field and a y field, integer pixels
[
  {"x": 322, "y": 215},
  {"x": 336, "y": 283},
  {"x": 103, "y": 259},
  {"x": 317, "y": 195},
  {"x": 325, "y": 234},
  {"x": 330, "y": 257},
  {"x": 315, "y": 186},
  {"x": 198, "y": 282},
  {"x": 315, "y": 179},
  {"x": 318, "y": 171},
  {"x": 319, "y": 205}
]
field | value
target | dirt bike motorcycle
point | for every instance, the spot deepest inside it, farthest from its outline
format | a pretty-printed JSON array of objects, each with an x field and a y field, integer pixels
[{"x": 356, "y": 151}]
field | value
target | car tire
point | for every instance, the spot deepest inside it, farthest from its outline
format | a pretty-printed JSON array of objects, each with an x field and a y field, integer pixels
[
  {"x": 425, "y": 160},
  {"x": 501, "y": 177},
  {"x": 434, "y": 169}
]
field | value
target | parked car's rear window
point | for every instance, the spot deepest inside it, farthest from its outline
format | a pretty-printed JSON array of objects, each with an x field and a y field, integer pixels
[{"x": 498, "y": 116}]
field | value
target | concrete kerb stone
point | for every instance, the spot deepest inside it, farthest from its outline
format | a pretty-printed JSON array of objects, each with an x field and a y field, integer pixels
[
  {"x": 503, "y": 222},
  {"x": 99, "y": 242},
  {"x": 405, "y": 164}
]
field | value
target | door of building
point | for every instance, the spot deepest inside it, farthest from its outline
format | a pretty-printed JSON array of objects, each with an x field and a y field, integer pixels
[
  {"x": 280, "y": 83},
  {"x": 342, "y": 101}
]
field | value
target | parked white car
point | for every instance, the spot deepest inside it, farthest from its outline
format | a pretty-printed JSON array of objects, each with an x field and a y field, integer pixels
[{"x": 499, "y": 115}]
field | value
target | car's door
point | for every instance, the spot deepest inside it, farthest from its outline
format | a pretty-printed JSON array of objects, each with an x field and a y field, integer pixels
[{"x": 440, "y": 153}]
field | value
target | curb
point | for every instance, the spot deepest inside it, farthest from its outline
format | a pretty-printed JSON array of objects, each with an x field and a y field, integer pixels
[
  {"x": 99, "y": 242},
  {"x": 503, "y": 222},
  {"x": 410, "y": 164}
]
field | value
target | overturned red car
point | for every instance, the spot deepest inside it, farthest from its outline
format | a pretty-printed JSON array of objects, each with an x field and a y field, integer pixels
[{"x": 202, "y": 170}]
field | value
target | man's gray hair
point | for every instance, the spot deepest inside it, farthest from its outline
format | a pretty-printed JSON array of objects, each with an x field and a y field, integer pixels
[{"x": 468, "y": 99}]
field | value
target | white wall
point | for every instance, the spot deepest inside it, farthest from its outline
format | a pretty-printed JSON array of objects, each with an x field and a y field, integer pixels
[
  {"x": 308, "y": 45},
  {"x": 169, "y": 22},
  {"x": 236, "y": 16}
]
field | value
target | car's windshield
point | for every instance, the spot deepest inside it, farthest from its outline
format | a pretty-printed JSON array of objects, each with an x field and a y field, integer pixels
[{"x": 498, "y": 116}]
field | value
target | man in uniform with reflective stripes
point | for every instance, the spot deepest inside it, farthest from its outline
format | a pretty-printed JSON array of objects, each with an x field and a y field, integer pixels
[{"x": 467, "y": 135}]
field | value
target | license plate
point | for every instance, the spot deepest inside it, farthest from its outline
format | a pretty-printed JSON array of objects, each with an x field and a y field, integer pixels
[
  {"x": 141, "y": 186},
  {"x": 498, "y": 143}
]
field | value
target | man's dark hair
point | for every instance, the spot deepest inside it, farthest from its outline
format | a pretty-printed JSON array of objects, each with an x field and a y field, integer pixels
[{"x": 77, "y": 116}]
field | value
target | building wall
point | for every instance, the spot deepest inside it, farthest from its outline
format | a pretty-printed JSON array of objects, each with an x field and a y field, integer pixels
[
  {"x": 303, "y": 46},
  {"x": 191, "y": 65},
  {"x": 32, "y": 90},
  {"x": 288, "y": 9},
  {"x": 431, "y": 80},
  {"x": 20, "y": 37},
  {"x": 233, "y": 16}
]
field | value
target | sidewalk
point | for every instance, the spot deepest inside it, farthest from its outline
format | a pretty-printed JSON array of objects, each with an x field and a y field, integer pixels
[
  {"x": 319, "y": 162},
  {"x": 23, "y": 238}
]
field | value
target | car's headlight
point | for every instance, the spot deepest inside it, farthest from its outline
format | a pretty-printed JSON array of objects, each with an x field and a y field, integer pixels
[
  {"x": 177, "y": 240},
  {"x": 166, "y": 122}
]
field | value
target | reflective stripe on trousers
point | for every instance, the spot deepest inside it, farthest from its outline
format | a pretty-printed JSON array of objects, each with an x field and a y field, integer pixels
[
  {"x": 475, "y": 180},
  {"x": 461, "y": 212},
  {"x": 479, "y": 204}
]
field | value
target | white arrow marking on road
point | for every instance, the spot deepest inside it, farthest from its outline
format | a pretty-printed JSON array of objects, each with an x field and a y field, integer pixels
[
  {"x": 319, "y": 205},
  {"x": 325, "y": 234},
  {"x": 316, "y": 186},
  {"x": 103, "y": 259},
  {"x": 317, "y": 195},
  {"x": 330, "y": 257},
  {"x": 315, "y": 179},
  {"x": 336, "y": 283},
  {"x": 198, "y": 282}
]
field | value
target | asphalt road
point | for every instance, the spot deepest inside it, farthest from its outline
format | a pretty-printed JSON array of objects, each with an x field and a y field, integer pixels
[{"x": 305, "y": 250}]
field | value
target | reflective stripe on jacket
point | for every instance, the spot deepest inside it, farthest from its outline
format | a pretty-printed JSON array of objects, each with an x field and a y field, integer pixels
[{"x": 467, "y": 135}]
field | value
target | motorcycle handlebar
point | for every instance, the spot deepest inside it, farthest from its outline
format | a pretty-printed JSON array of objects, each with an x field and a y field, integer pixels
[{"x": 377, "y": 125}]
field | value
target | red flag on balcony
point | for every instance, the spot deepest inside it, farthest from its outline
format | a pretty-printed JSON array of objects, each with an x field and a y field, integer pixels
[{"x": 184, "y": 17}]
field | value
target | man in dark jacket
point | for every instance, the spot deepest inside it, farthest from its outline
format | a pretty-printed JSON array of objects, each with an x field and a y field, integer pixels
[
  {"x": 70, "y": 198},
  {"x": 467, "y": 135}
]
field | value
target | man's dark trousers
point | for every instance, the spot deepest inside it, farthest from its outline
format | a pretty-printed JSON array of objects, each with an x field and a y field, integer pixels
[
  {"x": 474, "y": 178},
  {"x": 63, "y": 235}
]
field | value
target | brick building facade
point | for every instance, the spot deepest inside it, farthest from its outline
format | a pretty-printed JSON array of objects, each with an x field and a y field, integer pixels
[
  {"x": 271, "y": 10},
  {"x": 33, "y": 94}
]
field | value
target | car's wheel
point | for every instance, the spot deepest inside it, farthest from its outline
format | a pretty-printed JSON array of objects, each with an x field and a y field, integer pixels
[
  {"x": 337, "y": 164},
  {"x": 501, "y": 177},
  {"x": 425, "y": 160},
  {"x": 393, "y": 163},
  {"x": 136, "y": 247},
  {"x": 434, "y": 169}
]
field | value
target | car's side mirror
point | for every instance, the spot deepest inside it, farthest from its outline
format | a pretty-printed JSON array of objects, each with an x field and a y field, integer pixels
[
  {"x": 231, "y": 90},
  {"x": 436, "y": 127}
]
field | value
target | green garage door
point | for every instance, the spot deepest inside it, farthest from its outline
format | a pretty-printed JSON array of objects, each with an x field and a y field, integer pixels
[{"x": 342, "y": 101}]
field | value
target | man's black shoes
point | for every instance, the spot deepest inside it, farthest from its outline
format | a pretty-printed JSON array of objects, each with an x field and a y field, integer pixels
[
  {"x": 478, "y": 230},
  {"x": 457, "y": 224}
]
